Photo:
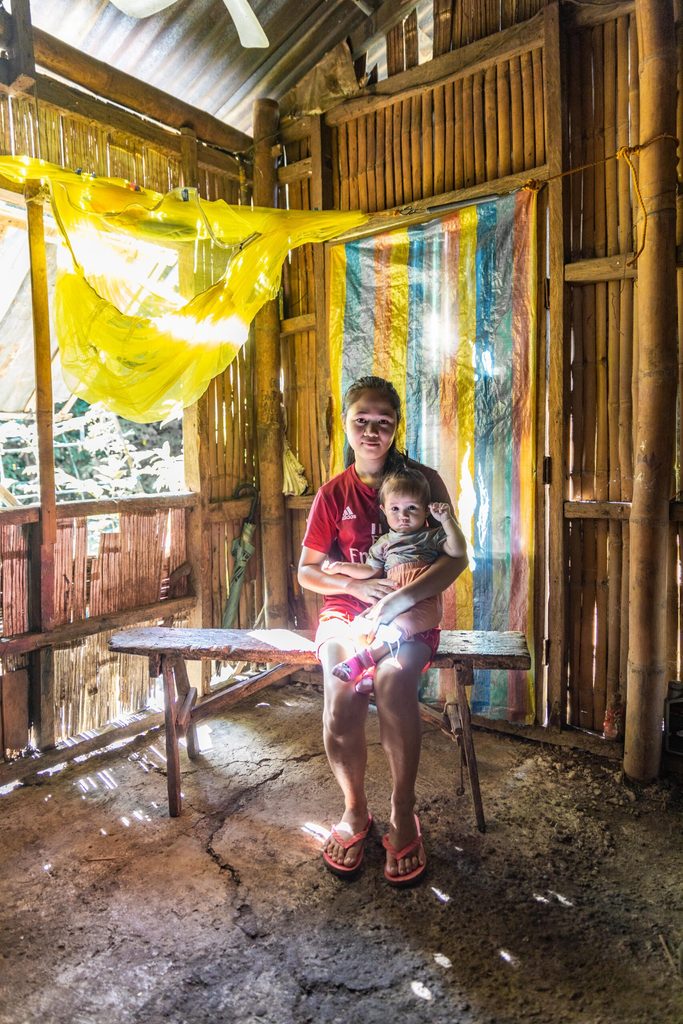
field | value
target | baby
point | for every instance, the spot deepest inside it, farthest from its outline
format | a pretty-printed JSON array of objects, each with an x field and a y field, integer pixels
[{"x": 402, "y": 555}]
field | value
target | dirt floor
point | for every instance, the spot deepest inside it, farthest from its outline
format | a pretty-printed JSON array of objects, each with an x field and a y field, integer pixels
[{"x": 568, "y": 909}]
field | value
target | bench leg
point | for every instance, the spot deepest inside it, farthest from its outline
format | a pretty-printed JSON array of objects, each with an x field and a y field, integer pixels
[
  {"x": 183, "y": 685},
  {"x": 172, "y": 755},
  {"x": 463, "y": 678}
]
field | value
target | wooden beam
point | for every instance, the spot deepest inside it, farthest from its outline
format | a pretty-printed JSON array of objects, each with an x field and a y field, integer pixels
[
  {"x": 268, "y": 395},
  {"x": 99, "y": 507},
  {"x": 34, "y": 768},
  {"x": 73, "y": 101},
  {"x": 386, "y": 17},
  {"x": 228, "y": 509},
  {"x": 435, "y": 206},
  {"x": 299, "y": 502},
  {"x": 555, "y": 117},
  {"x": 42, "y": 350},
  {"x": 217, "y": 160},
  {"x": 166, "y": 609},
  {"x": 22, "y": 66},
  {"x": 657, "y": 378},
  {"x": 297, "y": 129},
  {"x": 613, "y": 510},
  {"x": 106, "y": 81},
  {"x": 297, "y": 324},
  {"x": 321, "y": 199},
  {"x": 198, "y": 536},
  {"x": 586, "y": 15},
  {"x": 603, "y": 268},
  {"x": 295, "y": 172},
  {"x": 19, "y": 516},
  {"x": 189, "y": 168},
  {"x": 459, "y": 63}
]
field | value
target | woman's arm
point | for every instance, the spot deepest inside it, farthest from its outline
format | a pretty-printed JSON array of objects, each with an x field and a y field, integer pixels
[
  {"x": 356, "y": 570},
  {"x": 437, "y": 578},
  {"x": 311, "y": 577}
]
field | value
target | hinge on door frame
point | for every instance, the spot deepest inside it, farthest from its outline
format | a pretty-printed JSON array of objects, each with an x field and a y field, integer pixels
[
  {"x": 547, "y": 469},
  {"x": 546, "y": 650},
  {"x": 546, "y": 292}
]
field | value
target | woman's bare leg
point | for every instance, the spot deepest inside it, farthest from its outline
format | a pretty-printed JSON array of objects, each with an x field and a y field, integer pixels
[
  {"x": 344, "y": 717},
  {"x": 397, "y": 682}
]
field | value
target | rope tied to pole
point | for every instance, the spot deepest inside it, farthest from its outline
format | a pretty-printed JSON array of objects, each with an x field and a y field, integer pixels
[{"x": 623, "y": 153}]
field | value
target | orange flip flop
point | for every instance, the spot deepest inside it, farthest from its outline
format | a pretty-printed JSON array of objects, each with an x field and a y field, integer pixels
[
  {"x": 347, "y": 842},
  {"x": 412, "y": 847}
]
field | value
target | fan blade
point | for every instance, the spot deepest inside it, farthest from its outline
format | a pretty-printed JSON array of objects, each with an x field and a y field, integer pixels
[
  {"x": 141, "y": 8},
  {"x": 246, "y": 23}
]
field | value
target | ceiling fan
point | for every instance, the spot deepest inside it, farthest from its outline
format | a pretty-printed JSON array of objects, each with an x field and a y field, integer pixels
[{"x": 248, "y": 28}]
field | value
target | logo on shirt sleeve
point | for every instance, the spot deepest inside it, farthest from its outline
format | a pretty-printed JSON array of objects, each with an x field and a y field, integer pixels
[{"x": 348, "y": 513}]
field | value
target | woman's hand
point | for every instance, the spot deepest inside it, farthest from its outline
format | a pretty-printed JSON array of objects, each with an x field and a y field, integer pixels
[
  {"x": 370, "y": 591},
  {"x": 382, "y": 613}
]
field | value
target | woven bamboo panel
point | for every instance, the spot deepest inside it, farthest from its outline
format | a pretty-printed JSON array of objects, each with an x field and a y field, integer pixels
[
  {"x": 462, "y": 132},
  {"x": 131, "y": 569},
  {"x": 14, "y": 579},
  {"x": 603, "y": 116},
  {"x": 71, "y": 570},
  {"x": 213, "y": 186},
  {"x": 94, "y": 687},
  {"x": 232, "y": 462},
  {"x": 34, "y": 129}
]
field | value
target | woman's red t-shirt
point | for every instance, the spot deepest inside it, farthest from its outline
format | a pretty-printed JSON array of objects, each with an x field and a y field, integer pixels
[{"x": 345, "y": 521}]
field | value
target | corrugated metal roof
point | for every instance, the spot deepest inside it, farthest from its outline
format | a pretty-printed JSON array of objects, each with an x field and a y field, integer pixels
[{"x": 191, "y": 50}]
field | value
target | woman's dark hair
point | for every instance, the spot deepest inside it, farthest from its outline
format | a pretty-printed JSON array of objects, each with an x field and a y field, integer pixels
[
  {"x": 395, "y": 459},
  {"x": 406, "y": 483}
]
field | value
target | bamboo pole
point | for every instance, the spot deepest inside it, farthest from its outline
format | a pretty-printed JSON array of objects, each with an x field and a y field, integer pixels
[
  {"x": 539, "y": 141},
  {"x": 439, "y": 140},
  {"x": 479, "y": 127},
  {"x": 558, "y": 348},
  {"x": 679, "y": 281},
  {"x": 601, "y": 419},
  {"x": 614, "y": 483},
  {"x": 399, "y": 195},
  {"x": 427, "y": 145},
  {"x": 657, "y": 372},
  {"x": 43, "y": 567},
  {"x": 589, "y": 550},
  {"x": 127, "y": 91},
  {"x": 380, "y": 160},
  {"x": 503, "y": 103},
  {"x": 268, "y": 396},
  {"x": 528, "y": 113},
  {"x": 491, "y": 127},
  {"x": 516, "y": 115},
  {"x": 459, "y": 127},
  {"x": 468, "y": 131}
]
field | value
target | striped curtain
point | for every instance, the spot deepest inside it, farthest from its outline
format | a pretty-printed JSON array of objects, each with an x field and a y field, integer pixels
[{"x": 447, "y": 311}]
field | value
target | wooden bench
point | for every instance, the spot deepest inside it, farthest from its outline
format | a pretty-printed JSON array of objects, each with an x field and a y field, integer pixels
[{"x": 282, "y": 652}]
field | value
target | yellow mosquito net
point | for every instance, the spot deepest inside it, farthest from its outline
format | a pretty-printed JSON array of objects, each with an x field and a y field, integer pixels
[{"x": 155, "y": 293}]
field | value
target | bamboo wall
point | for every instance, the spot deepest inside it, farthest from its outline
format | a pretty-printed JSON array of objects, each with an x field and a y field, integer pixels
[
  {"x": 231, "y": 462},
  {"x": 454, "y": 134},
  {"x": 134, "y": 563},
  {"x": 38, "y": 130},
  {"x": 605, "y": 221},
  {"x": 475, "y": 126}
]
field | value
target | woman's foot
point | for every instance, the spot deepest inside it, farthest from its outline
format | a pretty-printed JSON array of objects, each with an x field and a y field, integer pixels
[
  {"x": 341, "y": 856},
  {"x": 406, "y": 859}
]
